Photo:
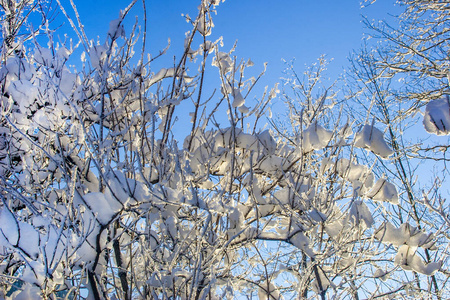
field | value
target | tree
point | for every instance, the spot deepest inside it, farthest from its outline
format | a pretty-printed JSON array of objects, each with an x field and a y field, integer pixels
[
  {"x": 403, "y": 84},
  {"x": 100, "y": 199}
]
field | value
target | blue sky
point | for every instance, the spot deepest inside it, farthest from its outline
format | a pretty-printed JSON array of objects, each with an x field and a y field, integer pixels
[{"x": 266, "y": 30}]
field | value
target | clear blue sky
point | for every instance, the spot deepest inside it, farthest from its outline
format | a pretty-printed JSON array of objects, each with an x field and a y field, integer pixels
[{"x": 266, "y": 30}]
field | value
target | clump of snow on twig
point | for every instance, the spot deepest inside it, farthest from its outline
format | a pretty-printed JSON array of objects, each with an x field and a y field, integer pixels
[{"x": 437, "y": 117}]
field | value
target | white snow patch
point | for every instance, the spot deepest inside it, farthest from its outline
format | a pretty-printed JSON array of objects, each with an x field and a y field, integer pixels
[
  {"x": 405, "y": 234},
  {"x": 359, "y": 175},
  {"x": 97, "y": 54},
  {"x": 384, "y": 191},
  {"x": 333, "y": 229},
  {"x": 437, "y": 117},
  {"x": 116, "y": 29},
  {"x": 372, "y": 139},
  {"x": 283, "y": 196},
  {"x": 24, "y": 93},
  {"x": 317, "y": 216},
  {"x": 17, "y": 234},
  {"x": 315, "y": 137},
  {"x": 408, "y": 259},
  {"x": 272, "y": 164},
  {"x": 28, "y": 291},
  {"x": 269, "y": 291},
  {"x": 238, "y": 99},
  {"x": 267, "y": 141},
  {"x": 204, "y": 25},
  {"x": 301, "y": 241},
  {"x": 322, "y": 283},
  {"x": 224, "y": 62},
  {"x": 360, "y": 212},
  {"x": 100, "y": 207}
]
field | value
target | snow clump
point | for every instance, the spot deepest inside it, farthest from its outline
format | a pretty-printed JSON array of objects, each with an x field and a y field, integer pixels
[
  {"x": 437, "y": 117},
  {"x": 371, "y": 138}
]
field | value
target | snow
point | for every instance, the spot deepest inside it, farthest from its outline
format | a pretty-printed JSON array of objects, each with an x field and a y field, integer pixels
[
  {"x": 162, "y": 73},
  {"x": 379, "y": 273},
  {"x": 54, "y": 244},
  {"x": 24, "y": 93},
  {"x": 283, "y": 196},
  {"x": 116, "y": 29},
  {"x": 171, "y": 226},
  {"x": 158, "y": 279},
  {"x": 272, "y": 164},
  {"x": 317, "y": 216},
  {"x": 183, "y": 207},
  {"x": 372, "y": 139},
  {"x": 436, "y": 119},
  {"x": 360, "y": 176},
  {"x": 301, "y": 241},
  {"x": 100, "y": 207},
  {"x": 40, "y": 221},
  {"x": 334, "y": 228},
  {"x": 236, "y": 217},
  {"x": 124, "y": 191},
  {"x": 384, "y": 191},
  {"x": 360, "y": 212},
  {"x": 266, "y": 139},
  {"x": 27, "y": 292},
  {"x": 243, "y": 109},
  {"x": 84, "y": 247},
  {"x": 9, "y": 230},
  {"x": 238, "y": 99},
  {"x": 247, "y": 141},
  {"x": 66, "y": 85},
  {"x": 34, "y": 272},
  {"x": 198, "y": 160},
  {"x": 63, "y": 52},
  {"x": 315, "y": 137},
  {"x": 97, "y": 55},
  {"x": 408, "y": 259},
  {"x": 204, "y": 25},
  {"x": 268, "y": 290},
  {"x": 346, "y": 260},
  {"x": 224, "y": 139},
  {"x": 15, "y": 233},
  {"x": 405, "y": 234},
  {"x": 224, "y": 62},
  {"x": 324, "y": 281},
  {"x": 43, "y": 56}
]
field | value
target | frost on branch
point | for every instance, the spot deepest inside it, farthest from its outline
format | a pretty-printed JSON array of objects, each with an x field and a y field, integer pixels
[
  {"x": 205, "y": 24},
  {"x": 436, "y": 119},
  {"x": 224, "y": 62}
]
